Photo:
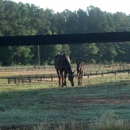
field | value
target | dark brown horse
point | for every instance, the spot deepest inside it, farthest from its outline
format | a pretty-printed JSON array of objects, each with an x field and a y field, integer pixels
[
  {"x": 63, "y": 67},
  {"x": 80, "y": 69}
]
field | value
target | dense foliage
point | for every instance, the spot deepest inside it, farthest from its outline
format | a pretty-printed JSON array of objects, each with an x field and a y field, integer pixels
[{"x": 25, "y": 19}]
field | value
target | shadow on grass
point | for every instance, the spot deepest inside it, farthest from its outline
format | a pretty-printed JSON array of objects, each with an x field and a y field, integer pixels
[{"x": 29, "y": 105}]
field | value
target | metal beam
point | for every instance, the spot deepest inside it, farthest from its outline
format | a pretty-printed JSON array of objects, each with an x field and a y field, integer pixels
[{"x": 65, "y": 39}]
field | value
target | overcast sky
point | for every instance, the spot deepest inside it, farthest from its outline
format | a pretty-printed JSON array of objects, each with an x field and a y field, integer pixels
[{"x": 112, "y": 6}]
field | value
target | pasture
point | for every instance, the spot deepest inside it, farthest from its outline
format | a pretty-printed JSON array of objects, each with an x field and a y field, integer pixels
[
  {"x": 23, "y": 106},
  {"x": 48, "y": 73}
]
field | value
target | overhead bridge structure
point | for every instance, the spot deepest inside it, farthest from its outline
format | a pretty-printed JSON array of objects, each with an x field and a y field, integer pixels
[{"x": 65, "y": 39}]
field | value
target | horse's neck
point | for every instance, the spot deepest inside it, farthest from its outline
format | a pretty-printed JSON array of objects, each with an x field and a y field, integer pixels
[
  {"x": 66, "y": 63},
  {"x": 69, "y": 70}
]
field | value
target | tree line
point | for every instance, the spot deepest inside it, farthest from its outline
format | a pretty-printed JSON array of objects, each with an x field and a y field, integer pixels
[{"x": 17, "y": 19}]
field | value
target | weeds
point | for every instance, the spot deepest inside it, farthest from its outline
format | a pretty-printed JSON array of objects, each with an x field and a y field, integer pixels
[
  {"x": 61, "y": 126},
  {"x": 108, "y": 121}
]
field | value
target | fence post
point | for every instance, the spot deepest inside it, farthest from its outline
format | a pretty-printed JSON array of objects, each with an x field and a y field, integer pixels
[
  {"x": 41, "y": 79},
  {"x": 19, "y": 80},
  {"x": 51, "y": 77},
  {"x": 8, "y": 80},
  {"x": 44, "y": 76},
  {"x": 29, "y": 79},
  {"x": 22, "y": 79},
  {"x": 37, "y": 78},
  {"x": 15, "y": 80}
]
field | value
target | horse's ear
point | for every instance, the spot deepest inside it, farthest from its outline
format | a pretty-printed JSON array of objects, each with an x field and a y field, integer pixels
[{"x": 78, "y": 63}]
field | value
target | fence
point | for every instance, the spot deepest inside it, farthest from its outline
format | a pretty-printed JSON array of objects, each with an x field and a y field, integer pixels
[
  {"x": 65, "y": 39},
  {"x": 51, "y": 77},
  {"x": 31, "y": 104},
  {"x": 31, "y": 74}
]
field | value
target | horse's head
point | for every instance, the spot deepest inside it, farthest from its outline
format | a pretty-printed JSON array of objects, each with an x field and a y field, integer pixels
[
  {"x": 71, "y": 78},
  {"x": 78, "y": 66}
]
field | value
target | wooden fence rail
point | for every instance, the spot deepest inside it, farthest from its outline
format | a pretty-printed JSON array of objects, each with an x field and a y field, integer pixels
[
  {"x": 51, "y": 77},
  {"x": 107, "y": 72}
]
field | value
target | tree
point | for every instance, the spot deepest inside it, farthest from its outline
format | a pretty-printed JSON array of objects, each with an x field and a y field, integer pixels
[
  {"x": 58, "y": 23},
  {"x": 2, "y": 20},
  {"x": 71, "y": 21},
  {"x": 25, "y": 19},
  {"x": 65, "y": 49},
  {"x": 82, "y": 18},
  {"x": 48, "y": 53}
]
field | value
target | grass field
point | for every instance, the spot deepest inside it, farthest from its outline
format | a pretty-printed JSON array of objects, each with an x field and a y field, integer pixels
[
  {"x": 43, "y": 105},
  {"x": 28, "y": 105}
]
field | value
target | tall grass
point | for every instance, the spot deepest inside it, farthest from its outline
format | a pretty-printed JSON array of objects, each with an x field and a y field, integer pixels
[
  {"x": 60, "y": 126},
  {"x": 108, "y": 121}
]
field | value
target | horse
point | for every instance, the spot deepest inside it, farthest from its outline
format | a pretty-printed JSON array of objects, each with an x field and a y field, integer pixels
[
  {"x": 80, "y": 69},
  {"x": 63, "y": 67}
]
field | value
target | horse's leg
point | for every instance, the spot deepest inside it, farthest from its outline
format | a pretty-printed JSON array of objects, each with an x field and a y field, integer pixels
[
  {"x": 61, "y": 81},
  {"x": 81, "y": 80},
  {"x": 81, "y": 76},
  {"x": 65, "y": 74},
  {"x": 59, "y": 78},
  {"x": 78, "y": 74}
]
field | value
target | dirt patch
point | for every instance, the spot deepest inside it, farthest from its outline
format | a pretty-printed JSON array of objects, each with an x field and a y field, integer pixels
[
  {"x": 97, "y": 100},
  {"x": 93, "y": 100}
]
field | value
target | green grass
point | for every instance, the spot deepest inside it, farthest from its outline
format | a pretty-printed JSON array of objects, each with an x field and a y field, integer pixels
[
  {"x": 46, "y": 103},
  {"x": 108, "y": 121}
]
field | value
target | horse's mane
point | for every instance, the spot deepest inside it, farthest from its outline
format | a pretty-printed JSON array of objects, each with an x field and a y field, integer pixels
[
  {"x": 68, "y": 64},
  {"x": 67, "y": 58},
  {"x": 65, "y": 61}
]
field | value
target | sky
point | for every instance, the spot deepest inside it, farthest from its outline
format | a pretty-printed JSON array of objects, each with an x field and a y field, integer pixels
[{"x": 111, "y": 6}]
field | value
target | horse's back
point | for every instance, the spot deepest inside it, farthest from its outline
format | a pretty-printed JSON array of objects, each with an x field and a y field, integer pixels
[
  {"x": 61, "y": 61},
  {"x": 57, "y": 61}
]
